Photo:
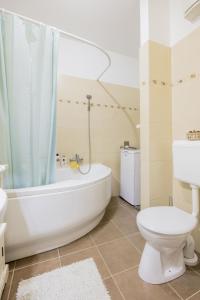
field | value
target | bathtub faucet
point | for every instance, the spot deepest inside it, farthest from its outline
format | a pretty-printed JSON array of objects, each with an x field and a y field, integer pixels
[
  {"x": 61, "y": 159},
  {"x": 76, "y": 158}
]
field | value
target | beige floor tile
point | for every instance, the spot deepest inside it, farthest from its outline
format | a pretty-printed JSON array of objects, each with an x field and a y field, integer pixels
[
  {"x": 7, "y": 287},
  {"x": 105, "y": 232},
  {"x": 137, "y": 241},
  {"x": 196, "y": 296},
  {"x": 36, "y": 258},
  {"x": 130, "y": 207},
  {"x": 114, "y": 202},
  {"x": 121, "y": 211},
  {"x": 187, "y": 284},
  {"x": 197, "y": 267},
  {"x": 119, "y": 208},
  {"x": 11, "y": 265},
  {"x": 132, "y": 287},
  {"x": 30, "y": 271},
  {"x": 112, "y": 289},
  {"x": 78, "y": 245},
  {"x": 119, "y": 255},
  {"x": 125, "y": 221},
  {"x": 88, "y": 253},
  {"x": 109, "y": 214}
]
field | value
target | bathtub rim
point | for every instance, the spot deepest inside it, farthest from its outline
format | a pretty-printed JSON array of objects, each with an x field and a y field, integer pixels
[{"x": 59, "y": 186}]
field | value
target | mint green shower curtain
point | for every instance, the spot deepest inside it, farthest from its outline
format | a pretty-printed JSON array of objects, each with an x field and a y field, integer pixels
[{"x": 28, "y": 81}]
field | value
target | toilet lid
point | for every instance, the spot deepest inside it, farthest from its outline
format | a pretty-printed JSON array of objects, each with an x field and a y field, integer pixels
[{"x": 166, "y": 220}]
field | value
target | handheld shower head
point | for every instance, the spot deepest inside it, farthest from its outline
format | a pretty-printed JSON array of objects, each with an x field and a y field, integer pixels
[{"x": 89, "y": 97}]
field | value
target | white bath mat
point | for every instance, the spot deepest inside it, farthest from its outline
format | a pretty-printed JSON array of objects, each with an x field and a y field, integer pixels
[{"x": 79, "y": 281}]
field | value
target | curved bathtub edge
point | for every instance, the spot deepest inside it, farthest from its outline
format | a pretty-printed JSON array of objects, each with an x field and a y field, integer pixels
[{"x": 47, "y": 246}]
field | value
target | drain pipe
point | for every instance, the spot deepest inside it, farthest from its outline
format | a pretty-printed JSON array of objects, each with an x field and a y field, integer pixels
[
  {"x": 195, "y": 200},
  {"x": 190, "y": 256}
]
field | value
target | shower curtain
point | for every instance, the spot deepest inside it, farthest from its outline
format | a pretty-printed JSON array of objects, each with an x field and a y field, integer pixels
[{"x": 28, "y": 81}]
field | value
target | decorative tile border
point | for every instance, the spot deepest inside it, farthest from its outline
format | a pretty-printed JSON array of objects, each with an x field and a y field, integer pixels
[
  {"x": 186, "y": 79},
  {"x": 98, "y": 105},
  {"x": 156, "y": 82},
  {"x": 177, "y": 82}
]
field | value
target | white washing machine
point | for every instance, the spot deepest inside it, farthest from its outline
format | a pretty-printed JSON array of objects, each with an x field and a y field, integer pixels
[{"x": 130, "y": 176}]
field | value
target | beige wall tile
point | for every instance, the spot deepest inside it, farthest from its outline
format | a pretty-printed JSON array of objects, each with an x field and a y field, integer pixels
[
  {"x": 155, "y": 116},
  {"x": 160, "y": 108},
  {"x": 186, "y": 105},
  {"x": 110, "y": 126},
  {"x": 160, "y": 183},
  {"x": 159, "y": 62}
]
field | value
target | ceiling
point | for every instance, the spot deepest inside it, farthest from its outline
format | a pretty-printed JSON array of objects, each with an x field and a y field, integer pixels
[{"x": 113, "y": 24}]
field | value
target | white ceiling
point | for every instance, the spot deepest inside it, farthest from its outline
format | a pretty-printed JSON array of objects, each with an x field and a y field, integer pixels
[{"x": 113, "y": 24}]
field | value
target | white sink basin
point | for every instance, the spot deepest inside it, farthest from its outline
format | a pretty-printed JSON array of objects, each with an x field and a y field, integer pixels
[{"x": 3, "y": 205}]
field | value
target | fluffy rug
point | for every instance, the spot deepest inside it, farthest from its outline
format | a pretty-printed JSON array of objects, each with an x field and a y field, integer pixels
[{"x": 79, "y": 281}]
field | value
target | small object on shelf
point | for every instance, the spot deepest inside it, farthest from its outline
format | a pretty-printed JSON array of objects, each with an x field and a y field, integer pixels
[
  {"x": 126, "y": 144},
  {"x": 73, "y": 164},
  {"x": 193, "y": 135}
]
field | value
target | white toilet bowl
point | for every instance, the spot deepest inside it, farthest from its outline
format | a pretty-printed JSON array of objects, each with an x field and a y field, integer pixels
[{"x": 165, "y": 230}]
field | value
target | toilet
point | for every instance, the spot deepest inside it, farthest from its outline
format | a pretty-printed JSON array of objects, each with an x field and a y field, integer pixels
[{"x": 167, "y": 229}]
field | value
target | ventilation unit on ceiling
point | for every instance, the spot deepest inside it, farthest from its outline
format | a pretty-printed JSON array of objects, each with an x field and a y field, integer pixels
[{"x": 192, "y": 10}]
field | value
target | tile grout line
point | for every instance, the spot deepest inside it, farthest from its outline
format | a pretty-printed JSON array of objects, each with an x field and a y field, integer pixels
[
  {"x": 110, "y": 241},
  {"x": 77, "y": 251},
  {"x": 100, "y": 244},
  {"x": 111, "y": 275},
  {"x": 128, "y": 269},
  {"x": 125, "y": 206},
  {"x": 109, "y": 271},
  {"x": 125, "y": 236},
  {"x": 174, "y": 290},
  {"x": 190, "y": 297},
  {"x": 11, "y": 281},
  {"x": 196, "y": 272},
  {"x": 59, "y": 257},
  {"x": 96, "y": 247},
  {"x": 39, "y": 262}
]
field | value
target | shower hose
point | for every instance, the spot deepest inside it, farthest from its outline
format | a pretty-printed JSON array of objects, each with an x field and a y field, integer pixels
[{"x": 89, "y": 97}]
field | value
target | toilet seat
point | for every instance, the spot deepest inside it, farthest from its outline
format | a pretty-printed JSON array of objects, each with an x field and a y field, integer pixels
[{"x": 167, "y": 220}]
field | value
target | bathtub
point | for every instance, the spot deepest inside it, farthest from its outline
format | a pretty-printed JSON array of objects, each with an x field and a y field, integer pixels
[{"x": 46, "y": 217}]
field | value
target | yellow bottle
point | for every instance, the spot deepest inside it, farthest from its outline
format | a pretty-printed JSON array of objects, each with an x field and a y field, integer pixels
[{"x": 73, "y": 164}]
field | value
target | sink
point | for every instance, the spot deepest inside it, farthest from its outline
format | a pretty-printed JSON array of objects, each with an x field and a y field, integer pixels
[{"x": 3, "y": 205}]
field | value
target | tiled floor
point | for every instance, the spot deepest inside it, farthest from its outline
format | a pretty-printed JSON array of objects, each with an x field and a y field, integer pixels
[{"x": 116, "y": 247}]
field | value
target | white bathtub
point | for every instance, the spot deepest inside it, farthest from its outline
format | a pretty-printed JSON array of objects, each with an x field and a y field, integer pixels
[{"x": 45, "y": 217}]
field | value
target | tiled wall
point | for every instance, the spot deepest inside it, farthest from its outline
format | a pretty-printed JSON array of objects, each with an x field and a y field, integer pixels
[
  {"x": 186, "y": 104},
  {"x": 112, "y": 121},
  {"x": 155, "y": 107},
  {"x": 168, "y": 104}
]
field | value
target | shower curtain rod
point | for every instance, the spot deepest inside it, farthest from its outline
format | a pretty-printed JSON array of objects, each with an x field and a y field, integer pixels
[{"x": 72, "y": 36}]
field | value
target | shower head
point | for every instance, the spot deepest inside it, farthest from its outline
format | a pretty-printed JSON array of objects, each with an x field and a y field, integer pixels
[{"x": 89, "y": 97}]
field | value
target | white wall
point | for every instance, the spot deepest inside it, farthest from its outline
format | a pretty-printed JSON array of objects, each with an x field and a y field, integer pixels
[
  {"x": 144, "y": 21},
  {"x": 163, "y": 21},
  {"x": 179, "y": 26},
  {"x": 113, "y": 24},
  {"x": 80, "y": 60},
  {"x": 154, "y": 21}
]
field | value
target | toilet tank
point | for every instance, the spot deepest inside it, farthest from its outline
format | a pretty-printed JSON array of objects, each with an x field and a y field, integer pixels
[{"x": 186, "y": 161}]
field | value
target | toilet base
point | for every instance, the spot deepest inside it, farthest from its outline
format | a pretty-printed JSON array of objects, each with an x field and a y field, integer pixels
[{"x": 158, "y": 267}]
